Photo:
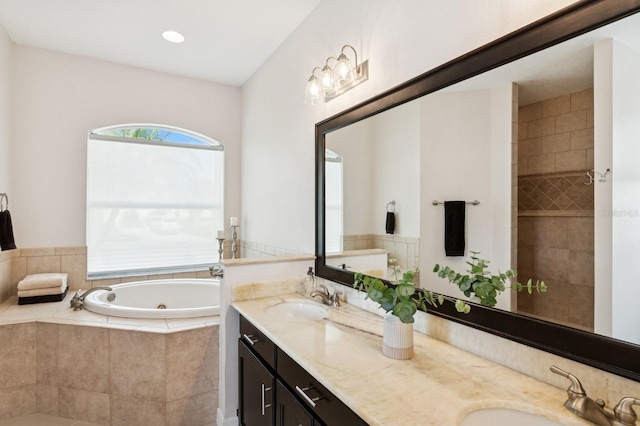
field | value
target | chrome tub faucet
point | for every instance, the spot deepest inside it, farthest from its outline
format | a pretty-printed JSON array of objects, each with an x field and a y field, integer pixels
[{"x": 78, "y": 299}]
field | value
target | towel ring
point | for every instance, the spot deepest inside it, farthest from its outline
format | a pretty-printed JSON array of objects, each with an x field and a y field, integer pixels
[
  {"x": 393, "y": 205},
  {"x": 5, "y": 198}
]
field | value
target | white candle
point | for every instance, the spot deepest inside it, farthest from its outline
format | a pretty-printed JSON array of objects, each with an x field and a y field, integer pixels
[
  {"x": 221, "y": 234},
  {"x": 233, "y": 221}
]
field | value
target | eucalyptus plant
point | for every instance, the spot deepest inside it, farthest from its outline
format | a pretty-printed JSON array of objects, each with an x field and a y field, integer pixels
[
  {"x": 402, "y": 298},
  {"x": 483, "y": 284}
]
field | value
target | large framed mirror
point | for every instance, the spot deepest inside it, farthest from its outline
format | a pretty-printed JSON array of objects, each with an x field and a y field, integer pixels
[{"x": 541, "y": 127}]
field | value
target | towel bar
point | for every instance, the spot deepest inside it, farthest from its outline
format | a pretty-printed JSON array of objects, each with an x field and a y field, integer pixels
[{"x": 474, "y": 202}]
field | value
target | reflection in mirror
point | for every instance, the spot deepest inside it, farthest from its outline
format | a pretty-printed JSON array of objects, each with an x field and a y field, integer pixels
[
  {"x": 521, "y": 140},
  {"x": 372, "y": 171}
]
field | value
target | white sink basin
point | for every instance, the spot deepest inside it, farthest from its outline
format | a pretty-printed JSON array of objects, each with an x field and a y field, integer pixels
[
  {"x": 505, "y": 416},
  {"x": 298, "y": 311}
]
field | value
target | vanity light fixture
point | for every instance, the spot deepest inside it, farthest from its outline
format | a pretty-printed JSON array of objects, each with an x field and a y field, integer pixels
[
  {"x": 173, "y": 36},
  {"x": 335, "y": 81}
]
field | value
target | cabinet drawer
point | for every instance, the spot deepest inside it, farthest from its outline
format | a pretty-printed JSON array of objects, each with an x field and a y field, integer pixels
[
  {"x": 316, "y": 397},
  {"x": 258, "y": 342}
]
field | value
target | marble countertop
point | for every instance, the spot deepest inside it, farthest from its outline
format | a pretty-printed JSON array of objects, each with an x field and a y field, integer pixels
[{"x": 438, "y": 386}]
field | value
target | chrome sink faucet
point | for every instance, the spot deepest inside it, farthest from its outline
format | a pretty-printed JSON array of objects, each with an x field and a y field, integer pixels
[
  {"x": 326, "y": 296},
  {"x": 594, "y": 411},
  {"x": 78, "y": 299}
]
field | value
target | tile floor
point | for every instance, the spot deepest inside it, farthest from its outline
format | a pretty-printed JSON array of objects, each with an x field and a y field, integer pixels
[{"x": 42, "y": 420}]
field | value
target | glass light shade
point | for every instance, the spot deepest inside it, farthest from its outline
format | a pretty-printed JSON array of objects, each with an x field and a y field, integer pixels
[
  {"x": 326, "y": 79},
  {"x": 312, "y": 92},
  {"x": 343, "y": 73}
]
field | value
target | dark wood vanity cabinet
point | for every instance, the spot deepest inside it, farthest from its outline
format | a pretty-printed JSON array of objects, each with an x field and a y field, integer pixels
[{"x": 275, "y": 390}]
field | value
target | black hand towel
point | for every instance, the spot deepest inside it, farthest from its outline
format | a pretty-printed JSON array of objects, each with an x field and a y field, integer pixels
[
  {"x": 390, "y": 226},
  {"x": 6, "y": 231},
  {"x": 454, "y": 213}
]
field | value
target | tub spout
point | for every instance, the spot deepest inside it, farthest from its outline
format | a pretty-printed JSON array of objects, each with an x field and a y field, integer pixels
[{"x": 78, "y": 299}]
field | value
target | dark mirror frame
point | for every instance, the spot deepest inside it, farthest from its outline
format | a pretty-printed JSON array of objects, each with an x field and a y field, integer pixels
[{"x": 605, "y": 353}]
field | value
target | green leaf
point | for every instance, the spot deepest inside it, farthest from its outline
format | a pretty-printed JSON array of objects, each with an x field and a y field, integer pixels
[{"x": 405, "y": 311}]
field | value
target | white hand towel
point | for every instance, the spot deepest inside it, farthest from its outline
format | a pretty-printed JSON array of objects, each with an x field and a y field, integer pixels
[
  {"x": 43, "y": 291},
  {"x": 38, "y": 281}
]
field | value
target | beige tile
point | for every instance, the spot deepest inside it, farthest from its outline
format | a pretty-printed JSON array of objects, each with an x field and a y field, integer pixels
[
  {"x": 47, "y": 399},
  {"x": 41, "y": 251},
  {"x": 580, "y": 233},
  {"x": 138, "y": 364},
  {"x": 556, "y": 106},
  {"x": 556, "y": 143},
  {"x": 47, "y": 353},
  {"x": 529, "y": 147},
  {"x": 197, "y": 410},
  {"x": 530, "y": 112},
  {"x": 17, "y": 401},
  {"x": 581, "y": 267},
  {"x": 582, "y": 139},
  {"x": 551, "y": 264},
  {"x": 75, "y": 265},
  {"x": 186, "y": 275},
  {"x": 576, "y": 120},
  {"x": 43, "y": 264},
  {"x": 71, "y": 251},
  {"x": 582, "y": 100},
  {"x": 523, "y": 131},
  {"x": 192, "y": 362},
  {"x": 126, "y": 411},
  {"x": 17, "y": 355},
  {"x": 571, "y": 160},
  {"x": 84, "y": 405},
  {"x": 83, "y": 358},
  {"x": 543, "y": 127},
  {"x": 590, "y": 159},
  {"x": 590, "y": 118},
  {"x": 18, "y": 269},
  {"x": 545, "y": 163}
]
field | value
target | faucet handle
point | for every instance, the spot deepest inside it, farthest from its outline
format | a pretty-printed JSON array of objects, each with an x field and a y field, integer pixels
[
  {"x": 624, "y": 411},
  {"x": 575, "y": 389}
]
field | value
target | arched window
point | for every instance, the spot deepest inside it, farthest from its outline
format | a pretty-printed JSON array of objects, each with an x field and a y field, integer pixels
[{"x": 155, "y": 198}]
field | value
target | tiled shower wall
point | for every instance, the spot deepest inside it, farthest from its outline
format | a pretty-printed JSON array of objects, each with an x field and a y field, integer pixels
[
  {"x": 17, "y": 264},
  {"x": 107, "y": 376},
  {"x": 555, "y": 207}
]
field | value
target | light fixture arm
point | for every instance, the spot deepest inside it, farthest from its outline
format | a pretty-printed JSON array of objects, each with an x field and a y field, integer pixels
[
  {"x": 313, "y": 73},
  {"x": 355, "y": 54}
]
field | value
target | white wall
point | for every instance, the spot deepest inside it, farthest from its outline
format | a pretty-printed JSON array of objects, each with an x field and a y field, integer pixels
[
  {"x": 6, "y": 92},
  {"x": 401, "y": 39},
  {"x": 59, "y": 98},
  {"x": 466, "y": 162},
  {"x": 381, "y": 163},
  {"x": 619, "y": 77}
]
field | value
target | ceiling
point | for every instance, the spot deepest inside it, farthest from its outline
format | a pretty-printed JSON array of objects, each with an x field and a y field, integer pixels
[{"x": 226, "y": 40}]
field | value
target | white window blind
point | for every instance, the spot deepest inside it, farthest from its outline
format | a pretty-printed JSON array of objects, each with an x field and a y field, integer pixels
[
  {"x": 152, "y": 205},
  {"x": 333, "y": 202}
]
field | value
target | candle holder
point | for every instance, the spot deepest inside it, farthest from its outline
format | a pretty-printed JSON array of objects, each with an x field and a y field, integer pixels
[
  {"x": 220, "y": 248},
  {"x": 234, "y": 241}
]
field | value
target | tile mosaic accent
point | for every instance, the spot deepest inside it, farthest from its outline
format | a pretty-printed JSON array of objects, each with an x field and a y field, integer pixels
[{"x": 560, "y": 191}]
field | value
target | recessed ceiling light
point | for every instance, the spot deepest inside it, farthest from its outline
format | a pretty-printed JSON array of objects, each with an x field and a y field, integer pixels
[{"x": 173, "y": 36}]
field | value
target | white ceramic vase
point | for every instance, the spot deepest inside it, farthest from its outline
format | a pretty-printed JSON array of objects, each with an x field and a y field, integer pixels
[{"x": 397, "y": 338}]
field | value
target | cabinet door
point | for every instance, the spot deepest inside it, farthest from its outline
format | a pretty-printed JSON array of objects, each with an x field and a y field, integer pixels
[
  {"x": 289, "y": 412},
  {"x": 256, "y": 393}
]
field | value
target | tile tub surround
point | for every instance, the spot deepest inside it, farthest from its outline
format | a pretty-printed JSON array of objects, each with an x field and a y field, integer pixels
[
  {"x": 107, "y": 370},
  {"x": 344, "y": 352},
  {"x": 17, "y": 264}
]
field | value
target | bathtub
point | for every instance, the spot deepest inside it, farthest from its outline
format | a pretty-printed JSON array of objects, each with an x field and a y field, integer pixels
[{"x": 173, "y": 298}]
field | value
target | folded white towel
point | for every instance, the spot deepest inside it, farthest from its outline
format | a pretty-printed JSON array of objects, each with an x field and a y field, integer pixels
[
  {"x": 37, "y": 281},
  {"x": 43, "y": 291}
]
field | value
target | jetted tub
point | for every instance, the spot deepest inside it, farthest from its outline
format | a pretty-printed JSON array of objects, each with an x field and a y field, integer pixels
[{"x": 173, "y": 298}]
